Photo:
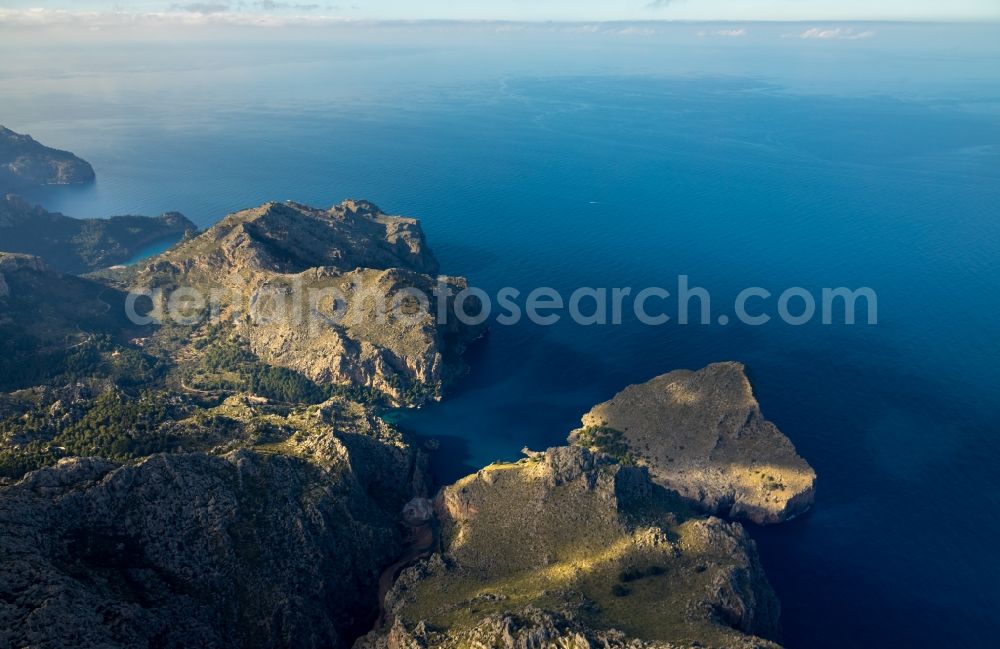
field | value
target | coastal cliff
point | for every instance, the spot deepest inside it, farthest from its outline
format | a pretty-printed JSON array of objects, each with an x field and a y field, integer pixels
[
  {"x": 702, "y": 435},
  {"x": 25, "y": 162},
  {"x": 359, "y": 259}
]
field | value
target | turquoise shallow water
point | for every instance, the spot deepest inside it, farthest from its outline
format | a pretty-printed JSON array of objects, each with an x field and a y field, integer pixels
[
  {"x": 565, "y": 161},
  {"x": 151, "y": 250}
]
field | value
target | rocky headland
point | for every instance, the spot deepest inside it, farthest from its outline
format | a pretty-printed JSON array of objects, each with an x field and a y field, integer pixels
[
  {"x": 25, "y": 162},
  {"x": 364, "y": 257},
  {"x": 702, "y": 435},
  {"x": 167, "y": 486}
]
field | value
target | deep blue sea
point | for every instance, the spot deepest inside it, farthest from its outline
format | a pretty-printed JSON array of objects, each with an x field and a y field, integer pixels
[{"x": 617, "y": 156}]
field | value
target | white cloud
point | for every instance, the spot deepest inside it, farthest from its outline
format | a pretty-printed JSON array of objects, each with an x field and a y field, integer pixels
[
  {"x": 183, "y": 15},
  {"x": 605, "y": 29},
  {"x": 201, "y": 8},
  {"x": 730, "y": 33},
  {"x": 636, "y": 31},
  {"x": 833, "y": 33}
]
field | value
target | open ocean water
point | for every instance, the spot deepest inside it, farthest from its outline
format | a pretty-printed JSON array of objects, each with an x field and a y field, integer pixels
[{"x": 626, "y": 156}]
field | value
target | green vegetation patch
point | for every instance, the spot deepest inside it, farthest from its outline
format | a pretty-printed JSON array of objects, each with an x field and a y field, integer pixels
[
  {"x": 113, "y": 426},
  {"x": 606, "y": 440},
  {"x": 225, "y": 363}
]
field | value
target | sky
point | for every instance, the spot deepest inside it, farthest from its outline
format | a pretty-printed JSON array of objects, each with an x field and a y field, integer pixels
[{"x": 528, "y": 10}]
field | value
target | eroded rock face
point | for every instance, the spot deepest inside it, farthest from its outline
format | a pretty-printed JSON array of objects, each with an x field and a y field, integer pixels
[
  {"x": 14, "y": 262},
  {"x": 572, "y": 549},
  {"x": 702, "y": 435},
  {"x": 337, "y": 275},
  {"x": 367, "y": 348},
  {"x": 195, "y": 550},
  {"x": 289, "y": 238},
  {"x": 26, "y": 162}
]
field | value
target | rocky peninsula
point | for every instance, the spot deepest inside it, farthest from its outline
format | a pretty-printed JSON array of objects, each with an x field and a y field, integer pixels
[
  {"x": 165, "y": 485},
  {"x": 702, "y": 435},
  {"x": 25, "y": 162}
]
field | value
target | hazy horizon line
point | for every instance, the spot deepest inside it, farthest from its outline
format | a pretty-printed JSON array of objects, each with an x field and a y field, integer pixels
[{"x": 40, "y": 17}]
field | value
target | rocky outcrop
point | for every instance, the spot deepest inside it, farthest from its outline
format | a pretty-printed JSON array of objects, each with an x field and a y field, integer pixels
[
  {"x": 572, "y": 549},
  {"x": 16, "y": 262},
  {"x": 345, "y": 296},
  {"x": 289, "y": 238},
  {"x": 702, "y": 435},
  {"x": 26, "y": 162},
  {"x": 280, "y": 547},
  {"x": 408, "y": 359},
  {"x": 80, "y": 245}
]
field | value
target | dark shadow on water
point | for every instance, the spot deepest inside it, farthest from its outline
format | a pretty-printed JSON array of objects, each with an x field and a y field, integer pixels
[{"x": 451, "y": 461}]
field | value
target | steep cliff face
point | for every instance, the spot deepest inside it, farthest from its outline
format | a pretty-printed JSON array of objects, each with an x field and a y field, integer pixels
[
  {"x": 81, "y": 245},
  {"x": 279, "y": 546},
  {"x": 702, "y": 435},
  {"x": 315, "y": 291},
  {"x": 406, "y": 358},
  {"x": 569, "y": 548},
  {"x": 26, "y": 162}
]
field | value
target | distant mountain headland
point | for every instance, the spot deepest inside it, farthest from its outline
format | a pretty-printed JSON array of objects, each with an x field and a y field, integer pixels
[
  {"x": 25, "y": 162},
  {"x": 81, "y": 245},
  {"x": 67, "y": 244}
]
